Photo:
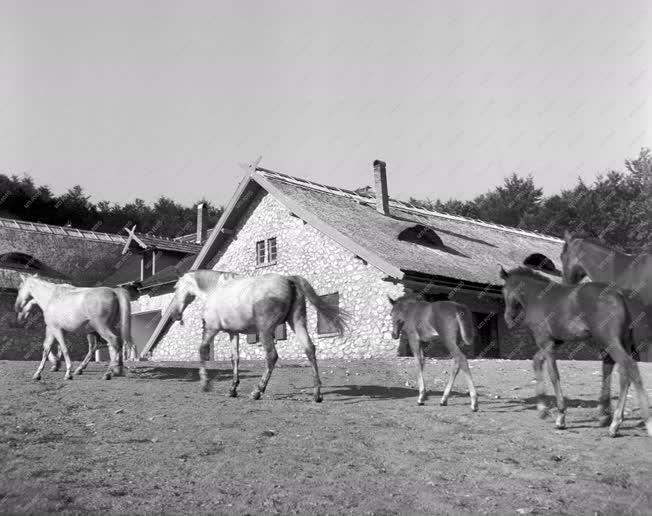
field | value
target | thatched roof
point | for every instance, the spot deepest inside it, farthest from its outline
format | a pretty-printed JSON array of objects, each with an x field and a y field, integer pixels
[{"x": 471, "y": 250}]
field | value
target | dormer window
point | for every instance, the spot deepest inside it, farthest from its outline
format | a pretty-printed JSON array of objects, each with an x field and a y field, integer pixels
[
  {"x": 541, "y": 262},
  {"x": 266, "y": 251},
  {"x": 422, "y": 235}
]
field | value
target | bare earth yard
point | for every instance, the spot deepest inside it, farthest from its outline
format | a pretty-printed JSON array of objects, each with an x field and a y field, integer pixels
[{"x": 153, "y": 443}]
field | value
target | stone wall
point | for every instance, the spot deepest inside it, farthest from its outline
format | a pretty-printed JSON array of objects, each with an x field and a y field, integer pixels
[{"x": 304, "y": 251}]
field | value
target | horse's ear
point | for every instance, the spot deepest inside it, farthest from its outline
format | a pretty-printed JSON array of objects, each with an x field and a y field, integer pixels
[
  {"x": 22, "y": 276},
  {"x": 503, "y": 273},
  {"x": 391, "y": 301},
  {"x": 568, "y": 236}
]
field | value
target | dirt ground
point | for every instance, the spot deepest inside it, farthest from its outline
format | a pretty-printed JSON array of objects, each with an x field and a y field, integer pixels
[{"x": 153, "y": 443}]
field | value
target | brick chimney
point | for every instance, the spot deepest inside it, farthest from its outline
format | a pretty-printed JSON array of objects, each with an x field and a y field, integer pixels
[
  {"x": 380, "y": 184},
  {"x": 202, "y": 215}
]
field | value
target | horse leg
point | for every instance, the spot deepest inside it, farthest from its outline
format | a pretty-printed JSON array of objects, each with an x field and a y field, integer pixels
[
  {"x": 47, "y": 345},
  {"x": 304, "y": 338},
  {"x": 267, "y": 340},
  {"x": 115, "y": 363},
  {"x": 92, "y": 346},
  {"x": 629, "y": 372},
  {"x": 537, "y": 365},
  {"x": 455, "y": 368},
  {"x": 204, "y": 356},
  {"x": 417, "y": 352},
  {"x": 235, "y": 363},
  {"x": 464, "y": 364},
  {"x": 55, "y": 359},
  {"x": 553, "y": 372},
  {"x": 64, "y": 349},
  {"x": 605, "y": 392}
]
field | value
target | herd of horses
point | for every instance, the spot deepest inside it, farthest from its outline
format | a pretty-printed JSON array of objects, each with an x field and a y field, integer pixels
[{"x": 613, "y": 310}]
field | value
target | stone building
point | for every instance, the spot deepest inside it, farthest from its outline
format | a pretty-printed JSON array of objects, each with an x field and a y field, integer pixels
[{"x": 357, "y": 248}]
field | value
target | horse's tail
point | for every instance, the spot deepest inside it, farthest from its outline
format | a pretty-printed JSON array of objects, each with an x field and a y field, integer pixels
[
  {"x": 335, "y": 315},
  {"x": 124, "y": 302},
  {"x": 639, "y": 320},
  {"x": 465, "y": 321}
]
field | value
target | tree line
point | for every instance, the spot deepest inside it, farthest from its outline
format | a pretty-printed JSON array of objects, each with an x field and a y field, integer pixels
[
  {"x": 616, "y": 207},
  {"x": 21, "y": 198}
]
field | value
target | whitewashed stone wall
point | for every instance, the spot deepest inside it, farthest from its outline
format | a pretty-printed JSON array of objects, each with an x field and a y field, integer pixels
[{"x": 302, "y": 250}]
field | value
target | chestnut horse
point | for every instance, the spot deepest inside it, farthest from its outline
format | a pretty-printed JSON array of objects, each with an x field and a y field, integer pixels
[
  {"x": 421, "y": 321},
  {"x": 556, "y": 313}
]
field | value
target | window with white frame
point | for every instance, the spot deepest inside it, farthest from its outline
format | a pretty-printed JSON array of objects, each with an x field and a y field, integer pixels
[{"x": 266, "y": 251}]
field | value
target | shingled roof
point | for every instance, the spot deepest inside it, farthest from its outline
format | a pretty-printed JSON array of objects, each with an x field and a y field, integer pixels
[{"x": 471, "y": 250}]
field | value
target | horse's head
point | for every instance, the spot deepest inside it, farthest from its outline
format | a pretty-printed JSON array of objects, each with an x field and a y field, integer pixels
[
  {"x": 399, "y": 315},
  {"x": 27, "y": 309},
  {"x": 24, "y": 293},
  {"x": 512, "y": 296},
  {"x": 183, "y": 296},
  {"x": 571, "y": 256}
]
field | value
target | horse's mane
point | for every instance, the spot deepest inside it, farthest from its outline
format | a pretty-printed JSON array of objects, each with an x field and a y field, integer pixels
[
  {"x": 208, "y": 279},
  {"x": 530, "y": 273}
]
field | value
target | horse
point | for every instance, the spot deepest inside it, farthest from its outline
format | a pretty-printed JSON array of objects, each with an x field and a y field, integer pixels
[
  {"x": 556, "y": 313},
  {"x": 66, "y": 308},
  {"x": 587, "y": 257},
  {"x": 421, "y": 321},
  {"x": 245, "y": 304},
  {"x": 56, "y": 356}
]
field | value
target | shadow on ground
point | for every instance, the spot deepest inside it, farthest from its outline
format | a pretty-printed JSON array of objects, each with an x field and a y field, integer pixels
[{"x": 183, "y": 374}]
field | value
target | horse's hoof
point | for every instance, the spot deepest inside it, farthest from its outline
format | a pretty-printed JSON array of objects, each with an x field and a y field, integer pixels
[
  {"x": 256, "y": 395},
  {"x": 107, "y": 376},
  {"x": 318, "y": 398},
  {"x": 474, "y": 406},
  {"x": 560, "y": 425},
  {"x": 37, "y": 376},
  {"x": 68, "y": 376},
  {"x": 206, "y": 386},
  {"x": 420, "y": 402},
  {"x": 233, "y": 393},
  {"x": 78, "y": 371},
  {"x": 443, "y": 403},
  {"x": 543, "y": 411},
  {"x": 613, "y": 430},
  {"x": 604, "y": 420}
]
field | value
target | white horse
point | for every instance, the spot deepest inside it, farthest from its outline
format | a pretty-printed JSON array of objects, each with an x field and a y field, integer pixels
[
  {"x": 96, "y": 311},
  {"x": 238, "y": 304}
]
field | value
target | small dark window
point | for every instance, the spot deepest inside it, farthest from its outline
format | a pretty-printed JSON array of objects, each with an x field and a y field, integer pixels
[
  {"x": 324, "y": 326},
  {"x": 266, "y": 251},
  {"x": 260, "y": 252},
  {"x": 540, "y": 262},
  {"x": 279, "y": 334},
  {"x": 271, "y": 250},
  {"x": 422, "y": 235}
]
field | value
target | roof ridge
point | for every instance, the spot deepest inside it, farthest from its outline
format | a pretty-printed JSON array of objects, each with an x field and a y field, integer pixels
[
  {"x": 51, "y": 229},
  {"x": 402, "y": 205}
]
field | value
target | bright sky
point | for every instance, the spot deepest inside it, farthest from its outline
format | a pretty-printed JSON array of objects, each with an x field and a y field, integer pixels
[{"x": 143, "y": 98}]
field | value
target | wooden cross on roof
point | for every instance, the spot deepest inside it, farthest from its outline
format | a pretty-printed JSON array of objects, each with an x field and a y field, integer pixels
[
  {"x": 251, "y": 166},
  {"x": 132, "y": 238}
]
